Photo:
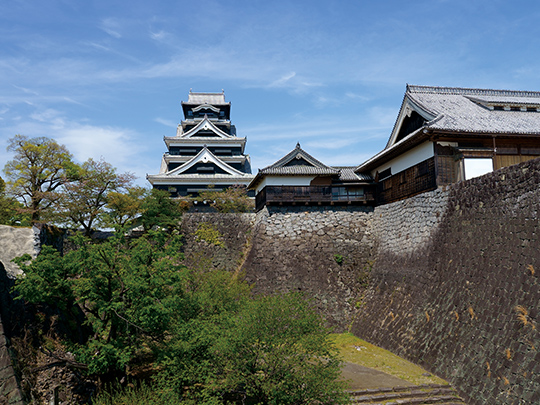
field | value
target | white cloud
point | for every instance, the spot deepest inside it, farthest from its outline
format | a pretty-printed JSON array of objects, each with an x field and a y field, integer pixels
[
  {"x": 282, "y": 80},
  {"x": 112, "y": 27},
  {"x": 166, "y": 122},
  {"x": 117, "y": 145}
]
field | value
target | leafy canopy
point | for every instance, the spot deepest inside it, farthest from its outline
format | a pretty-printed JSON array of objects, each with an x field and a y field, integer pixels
[
  {"x": 39, "y": 167},
  {"x": 233, "y": 199},
  {"x": 212, "y": 342},
  {"x": 11, "y": 211},
  {"x": 82, "y": 200}
]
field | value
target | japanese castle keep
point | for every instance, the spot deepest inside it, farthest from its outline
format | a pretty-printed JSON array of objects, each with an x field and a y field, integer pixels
[{"x": 205, "y": 150}]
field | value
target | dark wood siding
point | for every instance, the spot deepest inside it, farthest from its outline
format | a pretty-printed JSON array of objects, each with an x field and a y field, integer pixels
[
  {"x": 315, "y": 195},
  {"x": 414, "y": 180}
]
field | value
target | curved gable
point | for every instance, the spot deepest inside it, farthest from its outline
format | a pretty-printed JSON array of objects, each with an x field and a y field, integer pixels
[
  {"x": 206, "y": 125},
  {"x": 412, "y": 116},
  {"x": 205, "y": 107},
  {"x": 208, "y": 158}
]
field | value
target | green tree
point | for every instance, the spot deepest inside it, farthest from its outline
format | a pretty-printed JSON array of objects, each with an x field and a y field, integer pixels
[
  {"x": 268, "y": 350},
  {"x": 39, "y": 167},
  {"x": 213, "y": 342},
  {"x": 11, "y": 211},
  {"x": 233, "y": 199},
  {"x": 159, "y": 209},
  {"x": 127, "y": 291},
  {"x": 124, "y": 208},
  {"x": 82, "y": 200}
]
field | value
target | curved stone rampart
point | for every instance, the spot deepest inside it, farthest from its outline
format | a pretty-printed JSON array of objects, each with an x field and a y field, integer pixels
[{"x": 465, "y": 301}]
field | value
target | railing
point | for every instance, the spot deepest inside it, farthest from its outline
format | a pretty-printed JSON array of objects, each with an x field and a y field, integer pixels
[{"x": 311, "y": 195}]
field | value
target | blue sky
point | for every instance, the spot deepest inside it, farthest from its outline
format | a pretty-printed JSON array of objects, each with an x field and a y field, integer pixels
[{"x": 106, "y": 78}]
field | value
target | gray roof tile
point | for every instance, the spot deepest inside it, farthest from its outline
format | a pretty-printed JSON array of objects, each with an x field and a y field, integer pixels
[
  {"x": 346, "y": 173},
  {"x": 206, "y": 98},
  {"x": 315, "y": 166},
  {"x": 466, "y": 110}
]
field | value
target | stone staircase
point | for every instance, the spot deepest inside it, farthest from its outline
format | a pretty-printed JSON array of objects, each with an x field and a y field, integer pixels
[{"x": 418, "y": 395}]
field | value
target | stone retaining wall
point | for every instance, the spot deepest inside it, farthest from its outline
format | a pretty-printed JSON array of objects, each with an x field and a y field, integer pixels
[
  {"x": 234, "y": 233},
  {"x": 323, "y": 252},
  {"x": 10, "y": 392},
  {"x": 464, "y": 302}
]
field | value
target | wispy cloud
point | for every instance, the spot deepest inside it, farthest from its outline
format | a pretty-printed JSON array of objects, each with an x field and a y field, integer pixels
[
  {"x": 112, "y": 27},
  {"x": 282, "y": 80},
  {"x": 166, "y": 122},
  {"x": 116, "y": 145}
]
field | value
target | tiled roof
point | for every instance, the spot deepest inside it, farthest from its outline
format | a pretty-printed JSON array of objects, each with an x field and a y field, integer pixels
[
  {"x": 468, "y": 110},
  {"x": 346, "y": 173},
  {"x": 315, "y": 166},
  {"x": 182, "y": 176},
  {"x": 298, "y": 171},
  {"x": 206, "y": 98}
]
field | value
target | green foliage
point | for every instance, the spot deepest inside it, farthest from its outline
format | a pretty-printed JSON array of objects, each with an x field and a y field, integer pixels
[
  {"x": 211, "y": 340},
  {"x": 160, "y": 210},
  {"x": 339, "y": 259},
  {"x": 123, "y": 208},
  {"x": 82, "y": 201},
  {"x": 233, "y": 199},
  {"x": 270, "y": 350},
  {"x": 285, "y": 355},
  {"x": 11, "y": 211},
  {"x": 208, "y": 233},
  {"x": 39, "y": 167},
  {"x": 126, "y": 290},
  {"x": 46, "y": 279},
  {"x": 142, "y": 394}
]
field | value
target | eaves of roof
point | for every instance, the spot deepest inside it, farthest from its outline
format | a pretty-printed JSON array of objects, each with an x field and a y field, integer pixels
[{"x": 411, "y": 140}]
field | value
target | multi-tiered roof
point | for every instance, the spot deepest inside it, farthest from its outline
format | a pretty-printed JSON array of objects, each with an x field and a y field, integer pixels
[{"x": 205, "y": 150}]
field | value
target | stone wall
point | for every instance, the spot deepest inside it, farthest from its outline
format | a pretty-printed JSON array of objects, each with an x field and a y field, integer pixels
[
  {"x": 406, "y": 225},
  {"x": 234, "y": 235},
  {"x": 323, "y": 252},
  {"x": 448, "y": 279},
  {"x": 456, "y": 288},
  {"x": 10, "y": 392},
  {"x": 13, "y": 242},
  {"x": 16, "y": 242}
]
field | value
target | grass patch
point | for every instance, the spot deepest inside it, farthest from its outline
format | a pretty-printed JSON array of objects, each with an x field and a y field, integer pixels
[
  {"x": 358, "y": 351},
  {"x": 130, "y": 395}
]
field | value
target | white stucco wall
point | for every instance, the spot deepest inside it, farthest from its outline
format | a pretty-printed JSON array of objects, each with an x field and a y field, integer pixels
[
  {"x": 410, "y": 158},
  {"x": 284, "y": 181}
]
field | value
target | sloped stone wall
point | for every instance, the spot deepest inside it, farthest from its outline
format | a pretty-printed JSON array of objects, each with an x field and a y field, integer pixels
[
  {"x": 464, "y": 302},
  {"x": 10, "y": 392},
  {"x": 234, "y": 233},
  {"x": 323, "y": 252}
]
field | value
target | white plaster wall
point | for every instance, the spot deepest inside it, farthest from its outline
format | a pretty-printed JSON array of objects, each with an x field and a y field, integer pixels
[
  {"x": 410, "y": 158},
  {"x": 285, "y": 181}
]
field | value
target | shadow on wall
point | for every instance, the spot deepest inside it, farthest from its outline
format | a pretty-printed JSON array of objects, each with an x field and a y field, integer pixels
[
  {"x": 9, "y": 384},
  {"x": 466, "y": 304}
]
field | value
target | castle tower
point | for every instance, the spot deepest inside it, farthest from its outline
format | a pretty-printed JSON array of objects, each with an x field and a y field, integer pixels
[{"x": 205, "y": 151}]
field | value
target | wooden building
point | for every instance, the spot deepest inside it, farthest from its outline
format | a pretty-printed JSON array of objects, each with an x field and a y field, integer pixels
[
  {"x": 443, "y": 135},
  {"x": 205, "y": 152},
  {"x": 300, "y": 179}
]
